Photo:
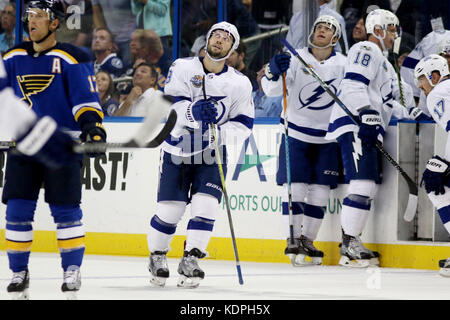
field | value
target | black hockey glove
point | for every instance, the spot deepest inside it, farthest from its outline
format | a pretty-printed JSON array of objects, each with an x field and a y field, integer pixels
[
  {"x": 45, "y": 143},
  {"x": 93, "y": 132},
  {"x": 418, "y": 115},
  {"x": 370, "y": 127},
  {"x": 435, "y": 175}
]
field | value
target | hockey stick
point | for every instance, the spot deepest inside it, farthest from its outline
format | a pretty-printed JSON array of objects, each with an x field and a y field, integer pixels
[
  {"x": 225, "y": 194},
  {"x": 137, "y": 141},
  {"x": 288, "y": 163},
  {"x": 412, "y": 186},
  {"x": 409, "y": 215}
]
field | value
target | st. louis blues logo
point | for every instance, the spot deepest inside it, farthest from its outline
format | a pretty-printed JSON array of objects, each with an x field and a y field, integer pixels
[
  {"x": 314, "y": 97},
  {"x": 197, "y": 81}
]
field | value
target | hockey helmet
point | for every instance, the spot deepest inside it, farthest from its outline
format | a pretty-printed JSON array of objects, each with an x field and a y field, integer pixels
[
  {"x": 381, "y": 18},
  {"x": 330, "y": 21},
  {"x": 54, "y": 8},
  {"x": 227, "y": 27},
  {"x": 444, "y": 47},
  {"x": 427, "y": 65}
]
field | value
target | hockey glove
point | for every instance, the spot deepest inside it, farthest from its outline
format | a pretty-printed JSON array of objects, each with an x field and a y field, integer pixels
[
  {"x": 418, "y": 115},
  {"x": 370, "y": 127},
  {"x": 203, "y": 111},
  {"x": 93, "y": 132},
  {"x": 278, "y": 65},
  {"x": 47, "y": 144},
  {"x": 435, "y": 175}
]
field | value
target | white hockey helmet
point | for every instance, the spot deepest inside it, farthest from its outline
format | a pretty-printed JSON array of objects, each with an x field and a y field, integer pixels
[
  {"x": 444, "y": 47},
  {"x": 330, "y": 21},
  {"x": 427, "y": 65},
  {"x": 382, "y": 18},
  {"x": 227, "y": 27}
]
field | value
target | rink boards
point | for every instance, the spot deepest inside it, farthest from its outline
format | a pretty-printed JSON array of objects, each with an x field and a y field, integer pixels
[{"x": 119, "y": 198}]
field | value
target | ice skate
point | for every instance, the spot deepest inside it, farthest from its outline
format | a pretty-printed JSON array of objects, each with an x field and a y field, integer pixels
[
  {"x": 158, "y": 268},
  {"x": 353, "y": 253},
  {"x": 444, "y": 266},
  {"x": 311, "y": 251},
  {"x": 374, "y": 257},
  {"x": 296, "y": 253},
  {"x": 72, "y": 282},
  {"x": 190, "y": 272},
  {"x": 18, "y": 288}
]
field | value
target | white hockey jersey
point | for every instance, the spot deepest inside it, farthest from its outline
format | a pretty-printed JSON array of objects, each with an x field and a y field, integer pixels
[
  {"x": 230, "y": 89},
  {"x": 369, "y": 81},
  {"x": 428, "y": 45},
  {"x": 308, "y": 104},
  {"x": 438, "y": 103}
]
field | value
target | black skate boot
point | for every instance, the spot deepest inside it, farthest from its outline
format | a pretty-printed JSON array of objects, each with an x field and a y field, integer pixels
[
  {"x": 311, "y": 251},
  {"x": 296, "y": 253},
  {"x": 71, "y": 282},
  {"x": 158, "y": 268},
  {"x": 18, "y": 288},
  {"x": 190, "y": 272},
  {"x": 444, "y": 266},
  {"x": 353, "y": 253}
]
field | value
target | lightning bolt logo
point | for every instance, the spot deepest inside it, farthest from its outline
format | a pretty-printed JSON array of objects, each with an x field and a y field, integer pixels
[
  {"x": 357, "y": 150},
  {"x": 317, "y": 94}
]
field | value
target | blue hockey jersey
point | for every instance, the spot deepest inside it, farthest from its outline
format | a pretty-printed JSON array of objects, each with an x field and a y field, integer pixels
[{"x": 58, "y": 82}]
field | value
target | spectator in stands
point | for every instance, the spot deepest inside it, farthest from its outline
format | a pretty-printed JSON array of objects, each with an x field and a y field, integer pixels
[
  {"x": 237, "y": 61},
  {"x": 116, "y": 15},
  {"x": 266, "y": 106},
  {"x": 8, "y": 23},
  {"x": 107, "y": 93},
  {"x": 154, "y": 15},
  {"x": 104, "y": 49},
  {"x": 146, "y": 46},
  {"x": 296, "y": 35},
  {"x": 144, "y": 80}
]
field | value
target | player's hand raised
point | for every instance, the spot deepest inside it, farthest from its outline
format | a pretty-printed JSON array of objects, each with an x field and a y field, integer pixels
[{"x": 278, "y": 65}]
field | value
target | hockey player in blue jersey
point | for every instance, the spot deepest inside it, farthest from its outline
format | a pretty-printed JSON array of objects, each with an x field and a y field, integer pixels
[
  {"x": 314, "y": 161},
  {"x": 189, "y": 173},
  {"x": 57, "y": 81}
]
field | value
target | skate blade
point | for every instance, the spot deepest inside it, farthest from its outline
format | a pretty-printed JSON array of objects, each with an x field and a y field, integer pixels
[
  {"x": 158, "y": 281},
  {"x": 300, "y": 261},
  {"x": 346, "y": 262},
  {"x": 190, "y": 283},
  {"x": 445, "y": 272},
  {"x": 23, "y": 295},
  {"x": 374, "y": 262},
  {"x": 71, "y": 295}
]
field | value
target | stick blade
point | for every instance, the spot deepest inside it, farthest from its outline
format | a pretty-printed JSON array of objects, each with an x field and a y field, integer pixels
[
  {"x": 411, "y": 208},
  {"x": 158, "y": 111}
]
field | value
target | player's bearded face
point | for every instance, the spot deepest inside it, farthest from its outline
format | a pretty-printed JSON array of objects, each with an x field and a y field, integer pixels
[
  {"x": 38, "y": 24},
  {"x": 219, "y": 44}
]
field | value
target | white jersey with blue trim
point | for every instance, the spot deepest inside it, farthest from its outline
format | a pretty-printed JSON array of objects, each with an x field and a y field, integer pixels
[
  {"x": 438, "y": 104},
  {"x": 15, "y": 116},
  {"x": 428, "y": 45},
  {"x": 368, "y": 81},
  {"x": 308, "y": 105},
  {"x": 229, "y": 88}
]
